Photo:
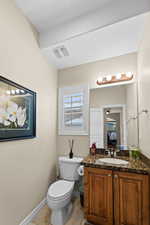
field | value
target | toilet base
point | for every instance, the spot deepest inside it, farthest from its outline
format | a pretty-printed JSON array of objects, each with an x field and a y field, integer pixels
[{"x": 60, "y": 216}]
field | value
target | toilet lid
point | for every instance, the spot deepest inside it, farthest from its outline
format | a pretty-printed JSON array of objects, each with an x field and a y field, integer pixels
[{"x": 60, "y": 188}]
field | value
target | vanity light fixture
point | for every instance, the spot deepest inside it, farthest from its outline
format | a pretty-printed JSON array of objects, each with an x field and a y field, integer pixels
[
  {"x": 120, "y": 77},
  {"x": 14, "y": 92}
]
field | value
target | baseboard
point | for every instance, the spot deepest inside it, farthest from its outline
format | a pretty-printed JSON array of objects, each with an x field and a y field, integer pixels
[{"x": 34, "y": 212}]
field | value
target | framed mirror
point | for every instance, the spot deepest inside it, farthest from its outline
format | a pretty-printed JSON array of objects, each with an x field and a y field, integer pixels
[{"x": 113, "y": 116}]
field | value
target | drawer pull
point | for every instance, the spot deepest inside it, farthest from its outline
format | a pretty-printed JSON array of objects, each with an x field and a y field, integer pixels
[
  {"x": 116, "y": 176},
  {"x": 109, "y": 175}
]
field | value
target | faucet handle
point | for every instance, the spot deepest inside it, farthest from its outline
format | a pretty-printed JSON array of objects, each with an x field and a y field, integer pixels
[
  {"x": 108, "y": 152},
  {"x": 115, "y": 153},
  {"x": 112, "y": 152}
]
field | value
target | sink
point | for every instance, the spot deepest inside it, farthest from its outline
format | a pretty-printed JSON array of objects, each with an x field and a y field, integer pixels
[{"x": 113, "y": 161}]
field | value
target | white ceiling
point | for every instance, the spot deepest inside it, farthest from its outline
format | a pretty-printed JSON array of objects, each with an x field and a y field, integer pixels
[
  {"x": 45, "y": 14},
  {"x": 114, "y": 40},
  {"x": 90, "y": 29}
]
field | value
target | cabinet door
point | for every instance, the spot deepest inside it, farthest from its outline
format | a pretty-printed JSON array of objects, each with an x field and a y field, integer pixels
[
  {"x": 131, "y": 199},
  {"x": 98, "y": 196}
]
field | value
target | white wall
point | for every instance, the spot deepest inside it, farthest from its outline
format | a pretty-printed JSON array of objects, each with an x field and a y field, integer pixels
[
  {"x": 26, "y": 166},
  {"x": 131, "y": 114},
  {"x": 107, "y": 96},
  {"x": 88, "y": 74},
  {"x": 144, "y": 88}
]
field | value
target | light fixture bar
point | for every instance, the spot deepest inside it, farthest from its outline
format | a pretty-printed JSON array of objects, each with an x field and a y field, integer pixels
[{"x": 115, "y": 78}]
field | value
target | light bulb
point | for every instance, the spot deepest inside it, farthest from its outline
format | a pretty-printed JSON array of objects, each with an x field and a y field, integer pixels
[
  {"x": 8, "y": 92},
  {"x": 118, "y": 76},
  {"x": 100, "y": 79},
  {"x": 12, "y": 92},
  {"x": 129, "y": 74},
  {"x": 108, "y": 78},
  {"x": 17, "y": 91}
]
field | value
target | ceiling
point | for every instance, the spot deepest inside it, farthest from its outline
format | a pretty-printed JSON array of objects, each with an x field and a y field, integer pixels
[
  {"x": 90, "y": 29},
  {"x": 111, "y": 41},
  {"x": 46, "y": 14}
]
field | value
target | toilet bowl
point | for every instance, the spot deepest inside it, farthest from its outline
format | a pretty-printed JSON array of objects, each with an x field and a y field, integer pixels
[
  {"x": 59, "y": 200},
  {"x": 60, "y": 192}
]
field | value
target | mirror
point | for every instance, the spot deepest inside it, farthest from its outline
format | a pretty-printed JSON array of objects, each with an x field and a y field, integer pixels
[
  {"x": 113, "y": 116},
  {"x": 113, "y": 126}
]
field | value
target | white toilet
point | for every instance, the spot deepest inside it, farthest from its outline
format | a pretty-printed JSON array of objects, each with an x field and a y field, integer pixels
[{"x": 60, "y": 192}]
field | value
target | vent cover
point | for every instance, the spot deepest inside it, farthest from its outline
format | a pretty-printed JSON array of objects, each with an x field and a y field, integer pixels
[{"x": 61, "y": 52}]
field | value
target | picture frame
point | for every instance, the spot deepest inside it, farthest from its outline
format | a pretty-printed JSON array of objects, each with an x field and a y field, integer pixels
[{"x": 17, "y": 111}]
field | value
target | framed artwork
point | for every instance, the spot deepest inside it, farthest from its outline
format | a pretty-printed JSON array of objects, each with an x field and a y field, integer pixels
[{"x": 17, "y": 111}]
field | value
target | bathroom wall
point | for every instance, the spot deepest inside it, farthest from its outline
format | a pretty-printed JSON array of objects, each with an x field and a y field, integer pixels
[
  {"x": 107, "y": 96},
  {"x": 144, "y": 88},
  {"x": 131, "y": 114},
  {"x": 26, "y": 166},
  {"x": 88, "y": 74}
]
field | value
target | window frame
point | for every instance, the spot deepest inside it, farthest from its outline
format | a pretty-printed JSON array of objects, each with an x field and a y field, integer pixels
[{"x": 62, "y": 130}]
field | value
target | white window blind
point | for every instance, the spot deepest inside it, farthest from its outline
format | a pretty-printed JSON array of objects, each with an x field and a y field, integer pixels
[{"x": 73, "y": 111}]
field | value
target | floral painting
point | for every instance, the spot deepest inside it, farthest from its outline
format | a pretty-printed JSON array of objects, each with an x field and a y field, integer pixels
[
  {"x": 11, "y": 114},
  {"x": 17, "y": 111}
]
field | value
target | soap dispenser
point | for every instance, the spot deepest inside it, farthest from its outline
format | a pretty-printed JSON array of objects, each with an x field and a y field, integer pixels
[{"x": 93, "y": 149}]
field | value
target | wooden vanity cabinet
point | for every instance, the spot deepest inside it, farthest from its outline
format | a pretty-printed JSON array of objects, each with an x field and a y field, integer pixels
[
  {"x": 98, "y": 196},
  {"x": 131, "y": 199},
  {"x": 116, "y": 198}
]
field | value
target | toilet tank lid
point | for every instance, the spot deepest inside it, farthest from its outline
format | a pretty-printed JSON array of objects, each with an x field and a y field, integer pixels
[
  {"x": 60, "y": 188},
  {"x": 73, "y": 160}
]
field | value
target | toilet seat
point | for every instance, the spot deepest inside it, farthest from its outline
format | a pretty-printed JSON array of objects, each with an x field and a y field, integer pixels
[
  {"x": 60, "y": 190},
  {"x": 59, "y": 199}
]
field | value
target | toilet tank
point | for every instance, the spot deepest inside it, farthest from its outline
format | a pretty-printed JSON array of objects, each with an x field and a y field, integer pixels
[{"x": 68, "y": 168}]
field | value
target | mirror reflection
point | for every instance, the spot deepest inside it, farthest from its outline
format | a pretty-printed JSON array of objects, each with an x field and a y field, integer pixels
[
  {"x": 113, "y": 124},
  {"x": 113, "y": 116}
]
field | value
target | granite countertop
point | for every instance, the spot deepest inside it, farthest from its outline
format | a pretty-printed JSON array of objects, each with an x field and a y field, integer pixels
[{"x": 135, "y": 166}]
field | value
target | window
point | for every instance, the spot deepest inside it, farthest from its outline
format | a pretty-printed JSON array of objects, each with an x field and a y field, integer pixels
[{"x": 73, "y": 110}]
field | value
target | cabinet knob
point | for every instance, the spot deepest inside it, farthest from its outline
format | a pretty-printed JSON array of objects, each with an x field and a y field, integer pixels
[
  {"x": 116, "y": 176},
  {"x": 109, "y": 175}
]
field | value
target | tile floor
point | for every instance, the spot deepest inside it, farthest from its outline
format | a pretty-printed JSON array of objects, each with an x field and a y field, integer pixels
[{"x": 77, "y": 217}]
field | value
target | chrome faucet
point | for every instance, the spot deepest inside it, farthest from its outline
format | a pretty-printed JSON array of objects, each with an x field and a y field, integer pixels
[{"x": 111, "y": 152}]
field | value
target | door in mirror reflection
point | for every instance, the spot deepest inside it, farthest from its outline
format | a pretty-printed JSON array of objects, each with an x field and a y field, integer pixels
[{"x": 112, "y": 127}]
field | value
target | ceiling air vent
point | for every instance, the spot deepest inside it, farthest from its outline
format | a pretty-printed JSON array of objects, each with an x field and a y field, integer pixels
[{"x": 61, "y": 52}]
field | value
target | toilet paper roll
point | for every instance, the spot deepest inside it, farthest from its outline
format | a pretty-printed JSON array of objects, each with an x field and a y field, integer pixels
[{"x": 81, "y": 170}]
